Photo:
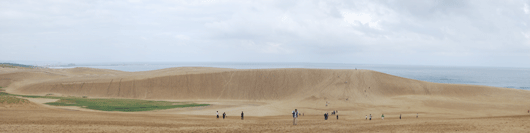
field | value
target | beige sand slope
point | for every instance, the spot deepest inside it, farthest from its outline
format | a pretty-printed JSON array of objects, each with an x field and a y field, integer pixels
[
  {"x": 267, "y": 96},
  {"x": 266, "y": 92}
]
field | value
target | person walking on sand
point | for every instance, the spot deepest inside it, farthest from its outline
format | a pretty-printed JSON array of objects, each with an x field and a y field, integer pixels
[
  {"x": 365, "y": 117},
  {"x": 416, "y": 115},
  {"x": 383, "y": 116},
  {"x": 224, "y": 115},
  {"x": 400, "y": 116},
  {"x": 241, "y": 115},
  {"x": 370, "y": 116},
  {"x": 295, "y": 116},
  {"x": 217, "y": 112}
]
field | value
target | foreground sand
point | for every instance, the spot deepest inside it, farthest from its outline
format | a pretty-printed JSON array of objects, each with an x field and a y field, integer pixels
[
  {"x": 55, "y": 120},
  {"x": 267, "y": 96}
]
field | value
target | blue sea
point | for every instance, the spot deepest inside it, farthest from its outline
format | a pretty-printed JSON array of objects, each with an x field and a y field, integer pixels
[{"x": 518, "y": 78}]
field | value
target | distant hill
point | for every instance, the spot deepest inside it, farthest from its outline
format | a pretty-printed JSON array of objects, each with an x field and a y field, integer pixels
[{"x": 14, "y": 65}]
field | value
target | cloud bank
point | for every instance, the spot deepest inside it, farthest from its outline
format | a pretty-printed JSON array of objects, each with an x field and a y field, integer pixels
[{"x": 406, "y": 32}]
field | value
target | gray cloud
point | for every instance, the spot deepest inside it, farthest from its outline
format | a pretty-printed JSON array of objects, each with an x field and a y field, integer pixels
[{"x": 410, "y": 32}]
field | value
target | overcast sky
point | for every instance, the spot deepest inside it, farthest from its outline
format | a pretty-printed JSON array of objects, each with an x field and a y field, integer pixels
[{"x": 402, "y": 32}]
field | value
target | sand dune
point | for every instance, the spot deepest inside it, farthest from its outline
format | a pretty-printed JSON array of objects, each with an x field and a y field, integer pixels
[
  {"x": 269, "y": 84},
  {"x": 269, "y": 95},
  {"x": 352, "y": 91}
]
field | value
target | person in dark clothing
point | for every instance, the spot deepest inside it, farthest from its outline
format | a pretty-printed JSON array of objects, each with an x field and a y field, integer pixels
[
  {"x": 337, "y": 117},
  {"x": 224, "y": 115},
  {"x": 295, "y": 116},
  {"x": 400, "y": 116},
  {"x": 217, "y": 112},
  {"x": 241, "y": 115},
  {"x": 370, "y": 116}
]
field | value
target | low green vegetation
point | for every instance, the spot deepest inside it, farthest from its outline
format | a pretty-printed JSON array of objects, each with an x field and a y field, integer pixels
[
  {"x": 28, "y": 96},
  {"x": 14, "y": 65},
  {"x": 124, "y": 105},
  {"x": 6, "y": 99}
]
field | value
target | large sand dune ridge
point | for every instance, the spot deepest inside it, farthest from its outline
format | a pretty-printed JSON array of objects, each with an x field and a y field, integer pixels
[
  {"x": 267, "y": 96},
  {"x": 280, "y": 90},
  {"x": 260, "y": 84}
]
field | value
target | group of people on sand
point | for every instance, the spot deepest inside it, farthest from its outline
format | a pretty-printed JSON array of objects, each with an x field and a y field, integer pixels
[
  {"x": 326, "y": 115},
  {"x": 225, "y": 116},
  {"x": 383, "y": 116},
  {"x": 334, "y": 112}
]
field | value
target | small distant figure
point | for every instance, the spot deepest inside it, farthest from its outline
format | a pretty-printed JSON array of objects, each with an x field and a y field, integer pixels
[
  {"x": 337, "y": 117},
  {"x": 383, "y": 116},
  {"x": 241, "y": 115},
  {"x": 370, "y": 116},
  {"x": 303, "y": 114},
  {"x": 325, "y": 116},
  {"x": 365, "y": 117},
  {"x": 295, "y": 116},
  {"x": 528, "y": 111},
  {"x": 400, "y": 116},
  {"x": 224, "y": 115},
  {"x": 217, "y": 112},
  {"x": 326, "y": 103},
  {"x": 416, "y": 115}
]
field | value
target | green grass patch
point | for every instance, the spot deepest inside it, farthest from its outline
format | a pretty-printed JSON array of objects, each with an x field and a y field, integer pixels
[
  {"x": 30, "y": 96},
  {"x": 6, "y": 99},
  {"x": 124, "y": 105}
]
